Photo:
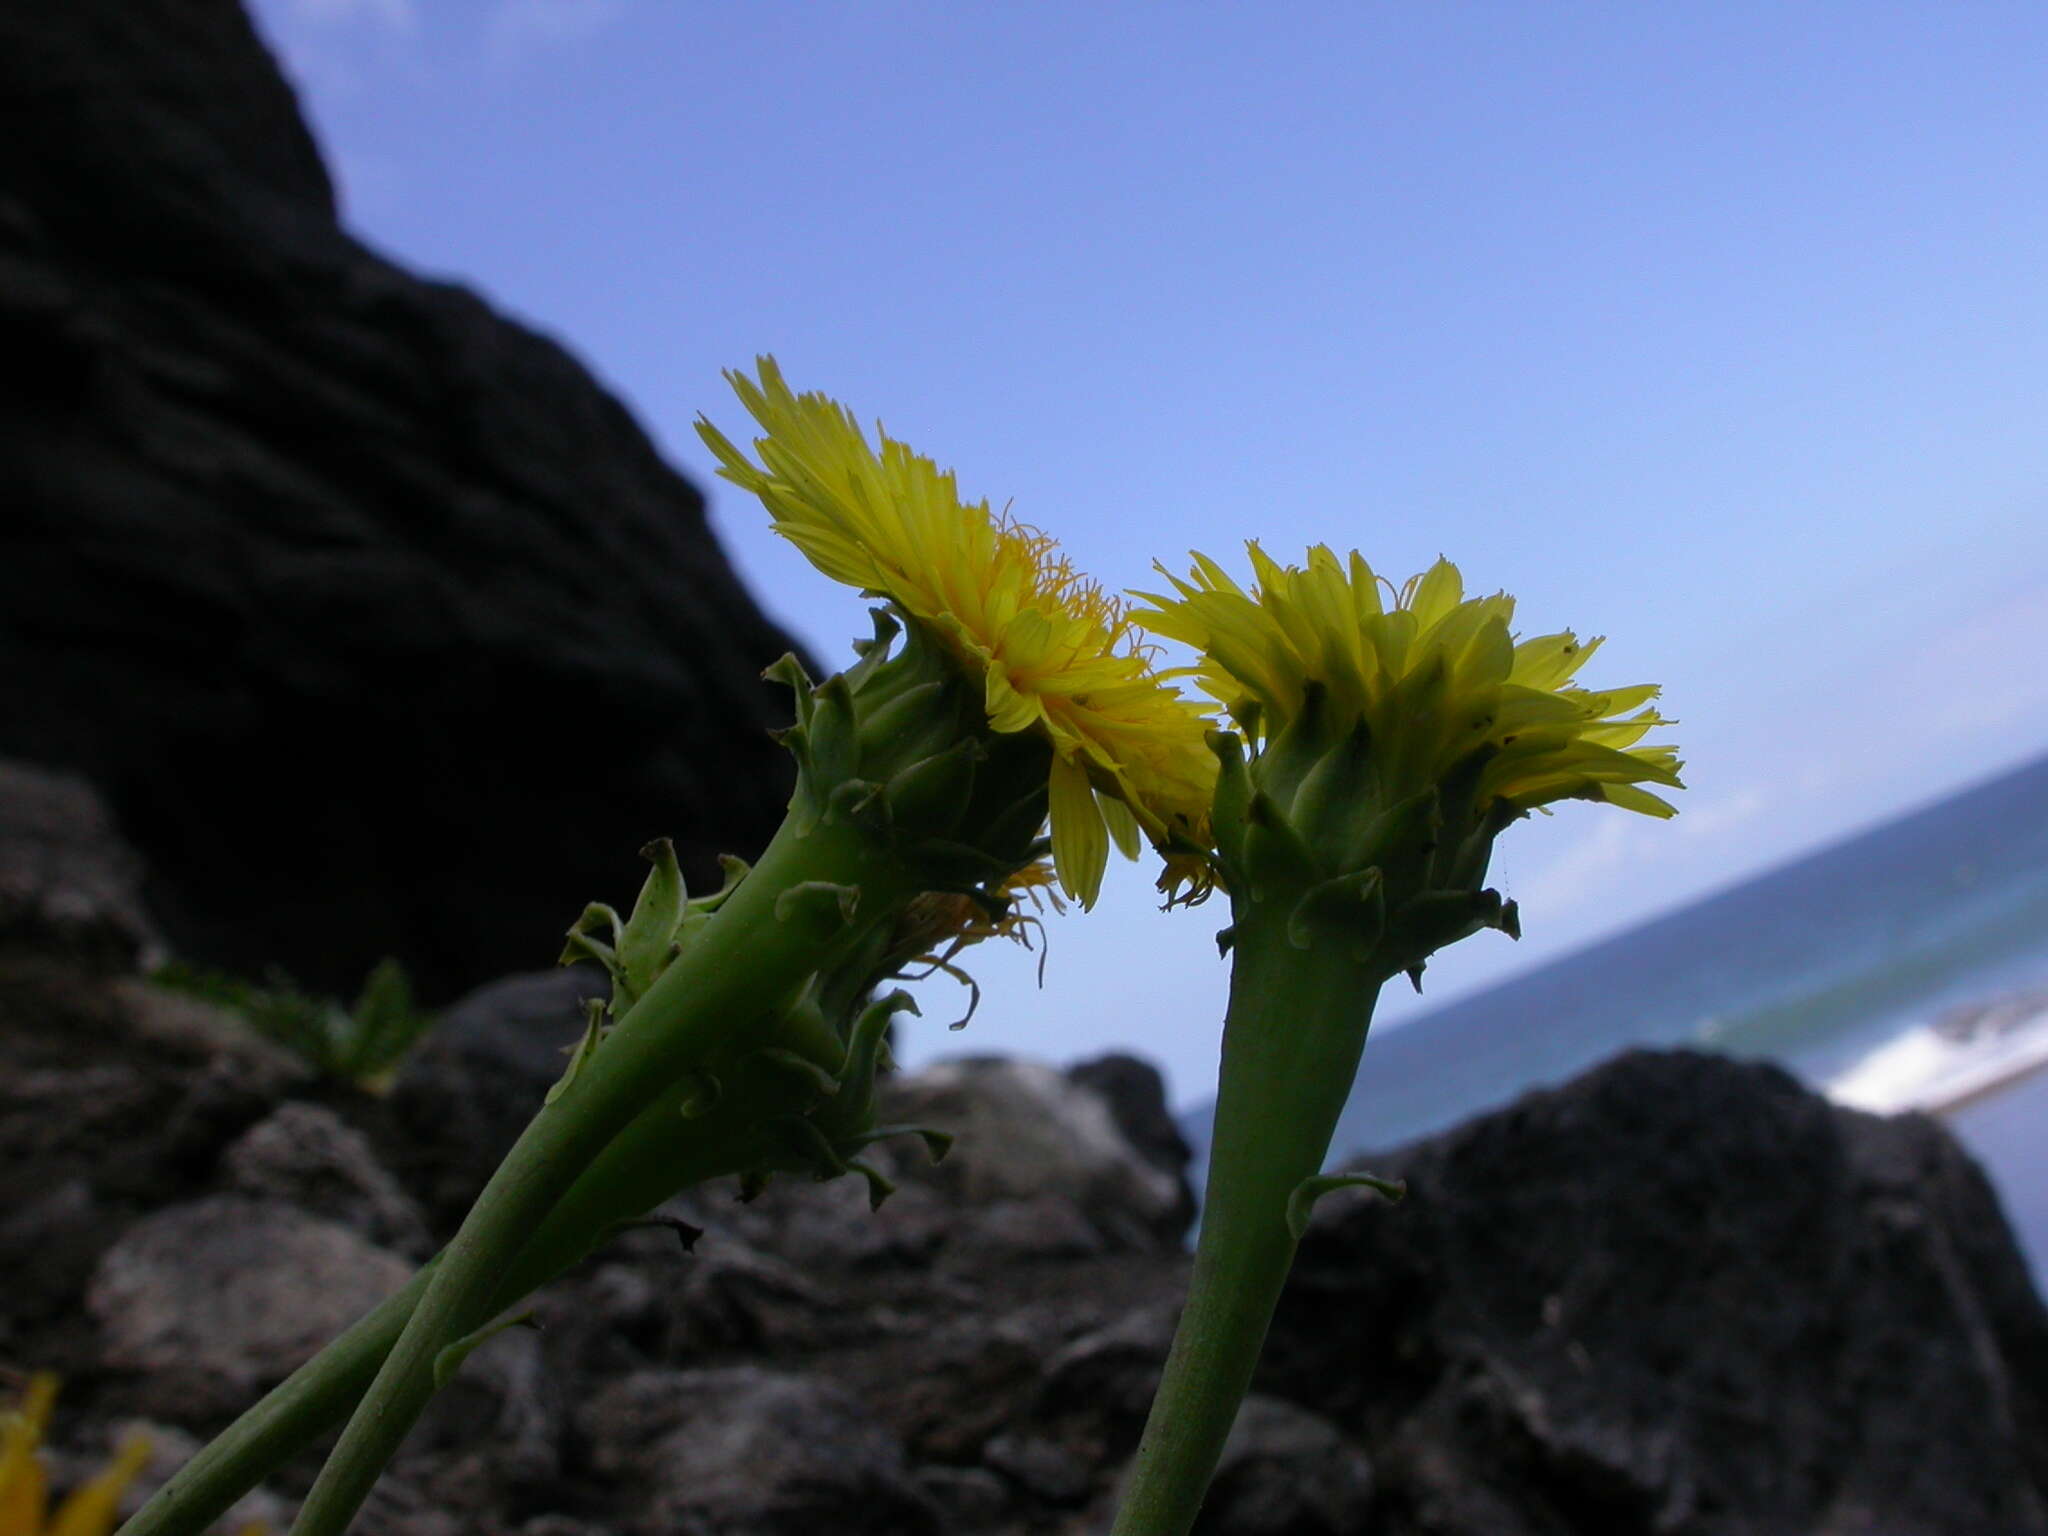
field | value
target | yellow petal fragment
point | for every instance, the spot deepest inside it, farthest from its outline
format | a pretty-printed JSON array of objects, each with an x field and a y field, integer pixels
[
  {"x": 92, "y": 1509},
  {"x": 1080, "y": 842}
]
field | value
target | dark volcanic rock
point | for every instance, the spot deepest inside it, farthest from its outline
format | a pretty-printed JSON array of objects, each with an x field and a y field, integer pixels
[
  {"x": 115, "y": 1098},
  {"x": 467, "y": 1090},
  {"x": 748, "y": 1452},
  {"x": 204, "y": 1305},
  {"x": 1033, "y": 1139},
  {"x": 1286, "y": 1472},
  {"x": 308, "y": 1156},
  {"x": 1136, "y": 1095},
  {"x": 1679, "y": 1295},
  {"x": 382, "y": 627},
  {"x": 69, "y": 885}
]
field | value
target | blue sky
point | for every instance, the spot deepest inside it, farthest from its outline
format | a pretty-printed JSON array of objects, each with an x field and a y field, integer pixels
[{"x": 1718, "y": 330}]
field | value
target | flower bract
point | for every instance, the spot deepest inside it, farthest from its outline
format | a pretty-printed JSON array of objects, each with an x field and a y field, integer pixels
[
  {"x": 1051, "y": 652},
  {"x": 1436, "y": 679}
]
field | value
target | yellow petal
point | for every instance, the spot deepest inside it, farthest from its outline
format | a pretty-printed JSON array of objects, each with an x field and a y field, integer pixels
[
  {"x": 91, "y": 1510},
  {"x": 1080, "y": 842}
]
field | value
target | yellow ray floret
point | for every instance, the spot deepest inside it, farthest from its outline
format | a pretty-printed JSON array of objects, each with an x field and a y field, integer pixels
[
  {"x": 1051, "y": 652},
  {"x": 1434, "y": 676},
  {"x": 91, "y": 1508}
]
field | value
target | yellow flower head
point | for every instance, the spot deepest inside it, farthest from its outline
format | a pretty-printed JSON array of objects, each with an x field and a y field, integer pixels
[
  {"x": 1051, "y": 651},
  {"x": 91, "y": 1508},
  {"x": 1433, "y": 676}
]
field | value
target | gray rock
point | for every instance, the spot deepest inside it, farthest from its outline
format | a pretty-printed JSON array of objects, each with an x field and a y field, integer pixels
[
  {"x": 733, "y": 1298},
  {"x": 397, "y": 1507},
  {"x": 205, "y": 1304},
  {"x": 69, "y": 885},
  {"x": 953, "y": 1385},
  {"x": 1025, "y": 1130},
  {"x": 1098, "y": 1388},
  {"x": 468, "y": 1089},
  {"x": 1136, "y": 1095},
  {"x": 968, "y": 1498},
  {"x": 115, "y": 1097},
  {"x": 830, "y": 1227},
  {"x": 308, "y": 1156},
  {"x": 1286, "y": 1472},
  {"x": 1679, "y": 1293},
  {"x": 495, "y": 1431},
  {"x": 749, "y": 1452},
  {"x": 346, "y": 590},
  {"x": 1041, "y": 1226},
  {"x": 1044, "y": 1469}
]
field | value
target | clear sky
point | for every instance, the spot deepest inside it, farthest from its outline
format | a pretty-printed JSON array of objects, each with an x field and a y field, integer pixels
[{"x": 1718, "y": 329}]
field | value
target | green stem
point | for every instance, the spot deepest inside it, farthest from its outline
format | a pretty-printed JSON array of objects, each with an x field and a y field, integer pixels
[
  {"x": 1291, "y": 1044},
  {"x": 737, "y": 974}
]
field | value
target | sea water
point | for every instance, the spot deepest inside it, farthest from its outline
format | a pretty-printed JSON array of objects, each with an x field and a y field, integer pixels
[{"x": 1903, "y": 968}]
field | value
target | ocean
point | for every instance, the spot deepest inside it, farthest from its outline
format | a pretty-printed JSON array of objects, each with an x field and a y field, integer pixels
[{"x": 1904, "y": 967}]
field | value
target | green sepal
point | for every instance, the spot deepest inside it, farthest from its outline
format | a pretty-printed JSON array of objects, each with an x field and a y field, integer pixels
[
  {"x": 866, "y": 1044},
  {"x": 937, "y": 1143},
  {"x": 876, "y": 650},
  {"x": 788, "y": 671},
  {"x": 686, "y": 1233},
  {"x": 1015, "y": 827},
  {"x": 880, "y": 1185},
  {"x": 821, "y": 903},
  {"x": 648, "y": 941},
  {"x": 859, "y": 803},
  {"x": 579, "y": 1053},
  {"x": 894, "y": 719},
  {"x": 1275, "y": 857},
  {"x": 800, "y": 1066},
  {"x": 1424, "y": 924},
  {"x": 1231, "y": 802},
  {"x": 1351, "y": 909},
  {"x": 450, "y": 1359},
  {"x": 583, "y": 943},
  {"x": 831, "y": 737},
  {"x": 734, "y": 869},
  {"x": 812, "y": 1148},
  {"x": 928, "y": 795},
  {"x": 1287, "y": 757},
  {"x": 706, "y": 1089},
  {"x": 1332, "y": 805},
  {"x": 1405, "y": 835},
  {"x": 1301, "y": 1204}
]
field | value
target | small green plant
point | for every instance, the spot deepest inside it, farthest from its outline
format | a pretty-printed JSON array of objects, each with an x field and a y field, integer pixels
[{"x": 361, "y": 1044}]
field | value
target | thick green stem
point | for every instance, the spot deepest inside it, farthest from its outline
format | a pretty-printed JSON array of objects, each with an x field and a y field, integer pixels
[
  {"x": 1291, "y": 1045},
  {"x": 738, "y": 974}
]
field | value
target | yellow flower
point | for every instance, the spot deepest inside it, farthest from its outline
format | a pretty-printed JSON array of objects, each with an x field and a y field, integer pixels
[
  {"x": 91, "y": 1508},
  {"x": 1435, "y": 677},
  {"x": 1051, "y": 651}
]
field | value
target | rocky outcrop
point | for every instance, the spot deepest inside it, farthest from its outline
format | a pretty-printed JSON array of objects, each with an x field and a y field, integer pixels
[
  {"x": 1679, "y": 1294},
  {"x": 382, "y": 626}
]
